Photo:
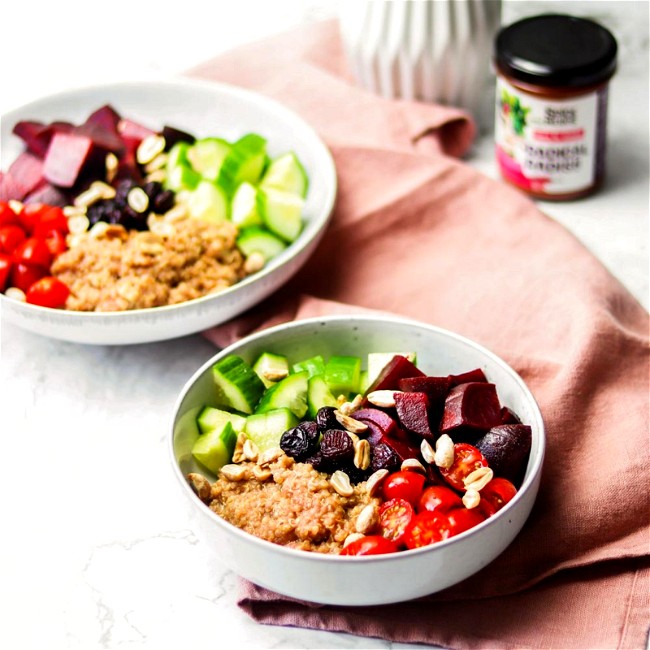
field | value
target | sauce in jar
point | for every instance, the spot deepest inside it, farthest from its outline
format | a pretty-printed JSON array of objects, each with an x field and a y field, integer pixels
[{"x": 552, "y": 80}]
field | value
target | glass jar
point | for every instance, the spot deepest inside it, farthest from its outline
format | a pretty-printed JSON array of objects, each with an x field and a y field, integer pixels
[{"x": 553, "y": 73}]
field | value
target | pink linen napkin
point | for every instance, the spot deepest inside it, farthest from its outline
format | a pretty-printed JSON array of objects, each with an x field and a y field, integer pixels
[{"x": 417, "y": 233}]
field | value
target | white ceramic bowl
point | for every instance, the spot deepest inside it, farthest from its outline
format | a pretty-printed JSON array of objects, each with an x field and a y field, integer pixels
[
  {"x": 342, "y": 580},
  {"x": 203, "y": 109}
]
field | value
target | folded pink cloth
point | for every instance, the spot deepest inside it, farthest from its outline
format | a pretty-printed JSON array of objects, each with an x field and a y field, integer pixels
[{"x": 418, "y": 233}]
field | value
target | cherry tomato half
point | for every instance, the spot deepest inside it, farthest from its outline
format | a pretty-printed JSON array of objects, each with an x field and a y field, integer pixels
[
  {"x": 495, "y": 495},
  {"x": 24, "y": 275},
  {"x": 394, "y": 517},
  {"x": 404, "y": 485},
  {"x": 35, "y": 252},
  {"x": 426, "y": 528},
  {"x": 48, "y": 292},
  {"x": 7, "y": 215},
  {"x": 467, "y": 458},
  {"x": 29, "y": 215},
  {"x": 438, "y": 498},
  {"x": 11, "y": 236},
  {"x": 50, "y": 218},
  {"x": 5, "y": 269},
  {"x": 462, "y": 519},
  {"x": 55, "y": 241},
  {"x": 370, "y": 545}
]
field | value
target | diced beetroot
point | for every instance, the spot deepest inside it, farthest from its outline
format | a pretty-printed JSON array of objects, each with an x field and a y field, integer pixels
[
  {"x": 132, "y": 133},
  {"x": 47, "y": 194},
  {"x": 37, "y": 136},
  {"x": 397, "y": 368},
  {"x": 173, "y": 135},
  {"x": 436, "y": 388},
  {"x": 66, "y": 157},
  {"x": 128, "y": 169},
  {"x": 9, "y": 189},
  {"x": 466, "y": 377},
  {"x": 506, "y": 447},
  {"x": 413, "y": 413},
  {"x": 105, "y": 116},
  {"x": 27, "y": 172},
  {"x": 403, "y": 449},
  {"x": 508, "y": 416},
  {"x": 378, "y": 417},
  {"x": 102, "y": 137},
  {"x": 472, "y": 406}
]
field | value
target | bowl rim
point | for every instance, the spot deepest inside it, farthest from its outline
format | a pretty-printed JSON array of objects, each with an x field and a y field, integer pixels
[
  {"x": 316, "y": 226},
  {"x": 532, "y": 476}
]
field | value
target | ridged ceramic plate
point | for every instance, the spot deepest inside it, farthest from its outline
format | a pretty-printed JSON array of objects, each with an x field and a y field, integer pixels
[{"x": 203, "y": 109}]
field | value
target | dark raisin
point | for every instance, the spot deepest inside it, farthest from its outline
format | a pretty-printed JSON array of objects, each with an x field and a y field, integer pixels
[
  {"x": 356, "y": 475},
  {"x": 383, "y": 457},
  {"x": 152, "y": 189},
  {"x": 337, "y": 447},
  {"x": 317, "y": 461},
  {"x": 325, "y": 419},
  {"x": 300, "y": 442},
  {"x": 123, "y": 188},
  {"x": 163, "y": 202}
]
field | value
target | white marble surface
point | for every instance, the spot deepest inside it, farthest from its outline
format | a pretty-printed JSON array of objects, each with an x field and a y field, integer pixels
[{"x": 96, "y": 550}]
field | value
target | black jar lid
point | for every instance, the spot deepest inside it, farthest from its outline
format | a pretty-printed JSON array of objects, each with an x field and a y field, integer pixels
[{"x": 556, "y": 50}]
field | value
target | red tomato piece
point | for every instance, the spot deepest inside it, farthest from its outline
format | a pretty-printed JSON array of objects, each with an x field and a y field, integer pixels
[
  {"x": 11, "y": 236},
  {"x": 438, "y": 498},
  {"x": 462, "y": 519},
  {"x": 370, "y": 545},
  {"x": 5, "y": 270},
  {"x": 29, "y": 216},
  {"x": 35, "y": 252},
  {"x": 426, "y": 528},
  {"x": 48, "y": 292},
  {"x": 7, "y": 215},
  {"x": 495, "y": 495},
  {"x": 50, "y": 218},
  {"x": 467, "y": 458},
  {"x": 56, "y": 242},
  {"x": 394, "y": 517},
  {"x": 404, "y": 485},
  {"x": 24, "y": 275}
]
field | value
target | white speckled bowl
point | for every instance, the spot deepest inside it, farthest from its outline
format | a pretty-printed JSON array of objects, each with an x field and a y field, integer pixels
[
  {"x": 342, "y": 580},
  {"x": 203, "y": 109}
]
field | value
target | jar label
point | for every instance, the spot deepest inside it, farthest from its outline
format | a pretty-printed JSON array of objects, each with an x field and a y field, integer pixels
[{"x": 548, "y": 146}]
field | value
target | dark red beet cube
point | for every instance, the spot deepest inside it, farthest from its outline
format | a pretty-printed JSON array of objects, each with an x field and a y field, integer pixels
[
  {"x": 105, "y": 116},
  {"x": 413, "y": 413},
  {"x": 49, "y": 195},
  {"x": 397, "y": 368},
  {"x": 466, "y": 377},
  {"x": 37, "y": 136},
  {"x": 377, "y": 417},
  {"x": 132, "y": 133},
  {"x": 436, "y": 388},
  {"x": 506, "y": 448},
  {"x": 26, "y": 172},
  {"x": 66, "y": 157},
  {"x": 102, "y": 137},
  {"x": 173, "y": 136},
  {"x": 473, "y": 406},
  {"x": 508, "y": 416},
  {"x": 9, "y": 189}
]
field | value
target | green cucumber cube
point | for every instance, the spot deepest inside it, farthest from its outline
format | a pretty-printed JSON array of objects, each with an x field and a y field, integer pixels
[
  {"x": 214, "y": 449},
  {"x": 286, "y": 173},
  {"x": 290, "y": 392},
  {"x": 271, "y": 368},
  {"x": 212, "y": 418},
  {"x": 313, "y": 365},
  {"x": 318, "y": 395},
  {"x": 342, "y": 374},
  {"x": 237, "y": 385},
  {"x": 266, "y": 429}
]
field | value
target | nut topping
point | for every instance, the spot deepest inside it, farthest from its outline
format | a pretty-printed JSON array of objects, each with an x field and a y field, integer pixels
[
  {"x": 238, "y": 453},
  {"x": 367, "y": 519},
  {"x": 149, "y": 148},
  {"x": 233, "y": 472},
  {"x": 362, "y": 454},
  {"x": 200, "y": 485},
  {"x": 427, "y": 452},
  {"x": 254, "y": 262},
  {"x": 262, "y": 473},
  {"x": 269, "y": 455},
  {"x": 471, "y": 499},
  {"x": 382, "y": 398},
  {"x": 340, "y": 481},
  {"x": 413, "y": 465},
  {"x": 373, "y": 484},
  {"x": 138, "y": 200},
  {"x": 478, "y": 479},
  {"x": 444, "y": 456},
  {"x": 352, "y": 537},
  {"x": 250, "y": 450},
  {"x": 350, "y": 424}
]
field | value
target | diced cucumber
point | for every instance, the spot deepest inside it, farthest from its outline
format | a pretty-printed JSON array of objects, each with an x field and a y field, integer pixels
[
  {"x": 178, "y": 155},
  {"x": 244, "y": 206},
  {"x": 212, "y": 418},
  {"x": 364, "y": 381},
  {"x": 208, "y": 202},
  {"x": 313, "y": 365},
  {"x": 281, "y": 212},
  {"x": 342, "y": 374},
  {"x": 181, "y": 177},
  {"x": 271, "y": 368},
  {"x": 207, "y": 155},
  {"x": 318, "y": 395},
  {"x": 237, "y": 385},
  {"x": 214, "y": 449},
  {"x": 266, "y": 429},
  {"x": 286, "y": 173},
  {"x": 377, "y": 362},
  {"x": 290, "y": 393},
  {"x": 259, "y": 240},
  {"x": 244, "y": 162}
]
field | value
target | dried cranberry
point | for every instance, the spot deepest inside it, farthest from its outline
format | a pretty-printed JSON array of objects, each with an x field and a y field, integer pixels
[
  {"x": 325, "y": 419},
  {"x": 300, "y": 442},
  {"x": 152, "y": 189},
  {"x": 383, "y": 457},
  {"x": 163, "y": 201},
  {"x": 337, "y": 447}
]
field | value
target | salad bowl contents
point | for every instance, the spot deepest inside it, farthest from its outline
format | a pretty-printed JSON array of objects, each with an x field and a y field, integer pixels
[
  {"x": 196, "y": 211},
  {"x": 383, "y": 439}
]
